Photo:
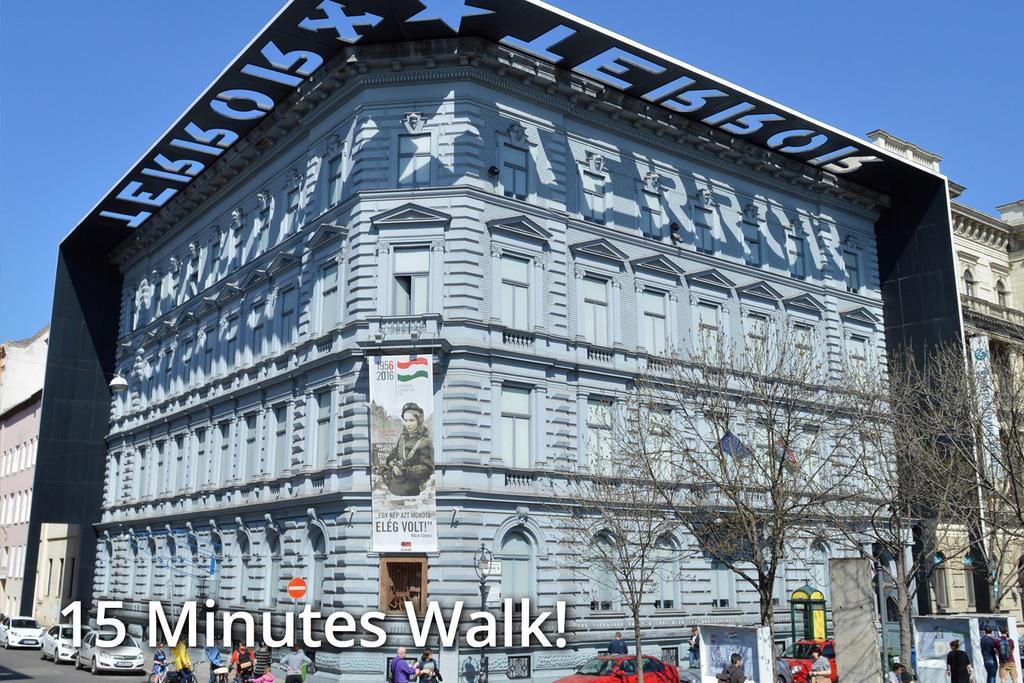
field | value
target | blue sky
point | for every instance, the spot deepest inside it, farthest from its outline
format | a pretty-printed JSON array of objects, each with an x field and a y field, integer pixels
[{"x": 85, "y": 88}]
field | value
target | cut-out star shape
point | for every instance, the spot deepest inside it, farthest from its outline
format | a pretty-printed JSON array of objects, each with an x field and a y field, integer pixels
[{"x": 450, "y": 12}]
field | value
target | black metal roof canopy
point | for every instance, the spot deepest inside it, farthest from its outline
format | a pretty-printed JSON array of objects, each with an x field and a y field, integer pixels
[{"x": 306, "y": 33}]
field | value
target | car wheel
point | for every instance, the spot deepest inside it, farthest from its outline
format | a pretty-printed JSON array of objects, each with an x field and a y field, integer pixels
[{"x": 92, "y": 668}]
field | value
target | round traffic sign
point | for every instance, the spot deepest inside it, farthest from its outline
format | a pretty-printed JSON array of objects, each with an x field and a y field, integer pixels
[{"x": 296, "y": 588}]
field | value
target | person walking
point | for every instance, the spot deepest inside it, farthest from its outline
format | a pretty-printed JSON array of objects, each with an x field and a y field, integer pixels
[
  {"x": 958, "y": 664},
  {"x": 1005, "y": 648},
  {"x": 427, "y": 670},
  {"x": 263, "y": 658},
  {"x": 989, "y": 656},
  {"x": 694, "y": 647},
  {"x": 401, "y": 670},
  {"x": 292, "y": 664},
  {"x": 182, "y": 662},
  {"x": 617, "y": 646}
]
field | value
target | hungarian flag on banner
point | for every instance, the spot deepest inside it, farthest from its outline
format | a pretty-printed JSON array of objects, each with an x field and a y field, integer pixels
[
  {"x": 788, "y": 457},
  {"x": 411, "y": 369}
]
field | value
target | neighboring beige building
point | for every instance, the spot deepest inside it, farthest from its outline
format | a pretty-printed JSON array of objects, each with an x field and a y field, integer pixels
[
  {"x": 55, "y": 571},
  {"x": 990, "y": 265},
  {"x": 22, "y": 365}
]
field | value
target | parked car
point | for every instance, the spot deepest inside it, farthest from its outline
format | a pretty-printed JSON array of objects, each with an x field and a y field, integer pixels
[
  {"x": 799, "y": 659},
  {"x": 622, "y": 669},
  {"x": 783, "y": 674},
  {"x": 58, "y": 644},
  {"x": 20, "y": 632},
  {"x": 127, "y": 656}
]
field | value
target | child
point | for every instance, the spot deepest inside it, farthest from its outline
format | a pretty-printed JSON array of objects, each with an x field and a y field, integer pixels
[
  {"x": 267, "y": 677},
  {"x": 159, "y": 664}
]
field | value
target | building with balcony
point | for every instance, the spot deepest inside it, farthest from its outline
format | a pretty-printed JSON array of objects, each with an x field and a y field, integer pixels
[
  {"x": 545, "y": 235},
  {"x": 989, "y": 252},
  {"x": 22, "y": 364}
]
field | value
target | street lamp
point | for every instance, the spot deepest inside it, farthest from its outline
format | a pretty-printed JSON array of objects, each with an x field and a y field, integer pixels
[{"x": 482, "y": 564}]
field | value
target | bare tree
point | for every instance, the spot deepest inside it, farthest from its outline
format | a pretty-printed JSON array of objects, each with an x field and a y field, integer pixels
[
  {"x": 910, "y": 505},
  {"x": 617, "y": 532},
  {"x": 764, "y": 448},
  {"x": 974, "y": 412}
]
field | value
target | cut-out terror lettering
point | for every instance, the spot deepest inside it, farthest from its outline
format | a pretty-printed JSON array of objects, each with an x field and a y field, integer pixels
[{"x": 307, "y": 33}]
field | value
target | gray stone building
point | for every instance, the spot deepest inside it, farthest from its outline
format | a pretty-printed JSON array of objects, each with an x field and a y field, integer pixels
[
  {"x": 542, "y": 251},
  {"x": 543, "y": 222}
]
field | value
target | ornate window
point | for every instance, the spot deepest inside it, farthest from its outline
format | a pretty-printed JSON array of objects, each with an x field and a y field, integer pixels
[
  {"x": 412, "y": 280},
  {"x": 969, "y": 283},
  {"x": 515, "y": 292},
  {"x": 1002, "y": 294},
  {"x": 515, "y": 426},
  {"x": 414, "y": 160}
]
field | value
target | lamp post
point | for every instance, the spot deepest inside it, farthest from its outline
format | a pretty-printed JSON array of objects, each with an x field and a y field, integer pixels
[{"x": 482, "y": 564}]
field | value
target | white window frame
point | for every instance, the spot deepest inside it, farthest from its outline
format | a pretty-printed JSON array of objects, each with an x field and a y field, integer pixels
[
  {"x": 511, "y": 422},
  {"x": 587, "y": 303},
  {"x": 654, "y": 343},
  {"x": 514, "y": 286},
  {"x": 506, "y": 168},
  {"x": 594, "y": 213},
  {"x": 414, "y": 276},
  {"x": 399, "y": 157},
  {"x": 327, "y": 322}
]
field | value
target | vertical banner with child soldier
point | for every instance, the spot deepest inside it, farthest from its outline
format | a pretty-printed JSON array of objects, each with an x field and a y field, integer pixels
[{"x": 401, "y": 434}]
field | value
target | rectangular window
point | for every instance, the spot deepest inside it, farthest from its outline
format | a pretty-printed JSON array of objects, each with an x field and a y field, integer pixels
[
  {"x": 330, "y": 302},
  {"x": 280, "y": 439},
  {"x": 941, "y": 589},
  {"x": 797, "y": 257},
  {"x": 705, "y": 238},
  {"x": 230, "y": 344},
  {"x": 514, "y": 165},
  {"x": 163, "y": 469},
  {"x": 291, "y": 216},
  {"x": 208, "y": 356},
  {"x": 143, "y": 471},
  {"x": 853, "y": 283},
  {"x": 650, "y": 213},
  {"x": 803, "y": 338},
  {"x": 859, "y": 353},
  {"x": 752, "y": 241},
  {"x": 655, "y": 329},
  {"x": 323, "y": 428},
  {"x": 599, "y": 436},
  {"x": 412, "y": 276},
  {"x": 757, "y": 335},
  {"x": 414, "y": 160},
  {"x": 723, "y": 586},
  {"x": 969, "y": 586},
  {"x": 594, "y": 199},
  {"x": 595, "y": 310},
  {"x": 257, "y": 349},
  {"x": 288, "y": 322},
  {"x": 515, "y": 426},
  {"x": 204, "y": 471},
  {"x": 181, "y": 464},
  {"x": 403, "y": 580},
  {"x": 251, "y": 456},
  {"x": 708, "y": 326},
  {"x": 226, "y": 464},
  {"x": 515, "y": 292},
  {"x": 334, "y": 181}
]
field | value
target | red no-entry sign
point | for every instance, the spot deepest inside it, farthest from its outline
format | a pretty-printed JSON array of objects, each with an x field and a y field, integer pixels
[{"x": 296, "y": 588}]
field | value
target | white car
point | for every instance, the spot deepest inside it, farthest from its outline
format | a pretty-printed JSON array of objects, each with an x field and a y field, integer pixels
[
  {"x": 58, "y": 644},
  {"x": 127, "y": 656},
  {"x": 20, "y": 632}
]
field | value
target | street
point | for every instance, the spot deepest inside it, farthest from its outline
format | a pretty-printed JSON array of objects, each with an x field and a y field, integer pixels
[{"x": 26, "y": 665}]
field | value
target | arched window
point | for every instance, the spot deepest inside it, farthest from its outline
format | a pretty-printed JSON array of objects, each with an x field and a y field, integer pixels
[
  {"x": 1002, "y": 295},
  {"x": 217, "y": 564},
  {"x": 242, "y": 559},
  {"x": 273, "y": 562},
  {"x": 516, "y": 571},
  {"x": 604, "y": 589},
  {"x": 171, "y": 562},
  {"x": 820, "y": 552},
  {"x": 968, "y": 282},
  {"x": 194, "y": 568},
  {"x": 939, "y": 582},
  {"x": 316, "y": 554},
  {"x": 666, "y": 574}
]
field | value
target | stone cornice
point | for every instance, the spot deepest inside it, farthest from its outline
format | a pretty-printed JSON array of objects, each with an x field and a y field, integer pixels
[
  {"x": 503, "y": 68},
  {"x": 980, "y": 227}
]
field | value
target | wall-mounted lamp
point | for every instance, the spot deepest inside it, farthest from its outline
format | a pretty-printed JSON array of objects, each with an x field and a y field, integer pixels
[
  {"x": 674, "y": 233},
  {"x": 118, "y": 384},
  {"x": 351, "y": 512},
  {"x": 493, "y": 171},
  {"x": 455, "y": 515}
]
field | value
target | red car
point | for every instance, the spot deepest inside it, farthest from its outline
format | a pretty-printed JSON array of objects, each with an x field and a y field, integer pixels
[
  {"x": 622, "y": 669},
  {"x": 799, "y": 658}
]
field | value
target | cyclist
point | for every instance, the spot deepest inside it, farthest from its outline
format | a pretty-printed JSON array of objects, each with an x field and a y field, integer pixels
[{"x": 159, "y": 673}]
